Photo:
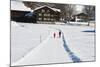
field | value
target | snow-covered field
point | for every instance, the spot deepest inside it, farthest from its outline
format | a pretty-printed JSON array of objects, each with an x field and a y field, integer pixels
[
  {"x": 24, "y": 37},
  {"x": 34, "y": 43}
]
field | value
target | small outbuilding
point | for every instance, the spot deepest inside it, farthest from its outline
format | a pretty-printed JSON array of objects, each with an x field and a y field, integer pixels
[
  {"x": 81, "y": 17},
  {"x": 21, "y": 13}
]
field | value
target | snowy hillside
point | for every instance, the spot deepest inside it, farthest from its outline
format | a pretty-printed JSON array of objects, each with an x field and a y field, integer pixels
[{"x": 19, "y": 6}]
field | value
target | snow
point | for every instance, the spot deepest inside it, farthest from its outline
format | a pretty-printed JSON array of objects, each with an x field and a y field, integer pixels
[
  {"x": 81, "y": 43},
  {"x": 23, "y": 38},
  {"x": 92, "y": 24},
  {"x": 54, "y": 9},
  {"x": 28, "y": 49},
  {"x": 14, "y": 23},
  {"x": 19, "y": 5},
  {"x": 46, "y": 53}
]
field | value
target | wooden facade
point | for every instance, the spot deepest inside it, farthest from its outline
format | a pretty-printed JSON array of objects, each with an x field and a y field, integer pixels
[
  {"x": 17, "y": 13},
  {"x": 23, "y": 16},
  {"x": 45, "y": 13},
  {"x": 21, "y": 13}
]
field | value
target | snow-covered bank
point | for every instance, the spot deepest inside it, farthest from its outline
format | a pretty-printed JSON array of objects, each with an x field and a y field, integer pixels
[
  {"x": 81, "y": 43},
  {"x": 25, "y": 37},
  {"x": 82, "y": 23},
  {"x": 51, "y": 50}
]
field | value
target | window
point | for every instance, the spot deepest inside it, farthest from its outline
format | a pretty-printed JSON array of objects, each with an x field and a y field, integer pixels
[
  {"x": 48, "y": 11},
  {"x": 45, "y": 14},
  {"x": 48, "y": 19},
  {"x": 40, "y": 14},
  {"x": 51, "y": 19},
  {"x": 48, "y": 14},
  {"x": 52, "y": 15},
  {"x": 45, "y": 18},
  {"x": 40, "y": 18},
  {"x": 43, "y": 10}
]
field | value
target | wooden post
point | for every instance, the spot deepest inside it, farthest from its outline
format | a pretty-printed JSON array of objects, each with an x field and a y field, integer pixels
[{"x": 40, "y": 39}]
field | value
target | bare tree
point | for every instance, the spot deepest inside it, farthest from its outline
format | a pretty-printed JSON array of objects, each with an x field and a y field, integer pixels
[
  {"x": 69, "y": 8},
  {"x": 90, "y": 11},
  {"x": 63, "y": 10},
  {"x": 67, "y": 11},
  {"x": 31, "y": 5}
]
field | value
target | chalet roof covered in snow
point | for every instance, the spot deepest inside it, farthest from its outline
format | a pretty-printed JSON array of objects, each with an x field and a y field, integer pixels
[
  {"x": 54, "y": 9},
  {"x": 81, "y": 14},
  {"x": 19, "y": 5}
]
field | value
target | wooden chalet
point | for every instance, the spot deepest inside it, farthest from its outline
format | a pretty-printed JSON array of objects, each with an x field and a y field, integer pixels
[
  {"x": 48, "y": 14},
  {"x": 42, "y": 14},
  {"x": 81, "y": 17},
  {"x": 18, "y": 11}
]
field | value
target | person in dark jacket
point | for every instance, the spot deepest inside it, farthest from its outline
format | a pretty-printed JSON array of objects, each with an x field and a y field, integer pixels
[
  {"x": 59, "y": 34},
  {"x": 54, "y": 34}
]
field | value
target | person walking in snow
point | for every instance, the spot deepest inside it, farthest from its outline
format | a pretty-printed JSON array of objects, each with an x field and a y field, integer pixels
[
  {"x": 54, "y": 34},
  {"x": 59, "y": 34}
]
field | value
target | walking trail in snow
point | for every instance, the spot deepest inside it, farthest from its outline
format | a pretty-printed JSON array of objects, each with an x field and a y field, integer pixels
[
  {"x": 52, "y": 50},
  {"x": 71, "y": 54}
]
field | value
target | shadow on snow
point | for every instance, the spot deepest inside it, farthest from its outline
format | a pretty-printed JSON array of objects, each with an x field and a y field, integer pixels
[{"x": 67, "y": 49}]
